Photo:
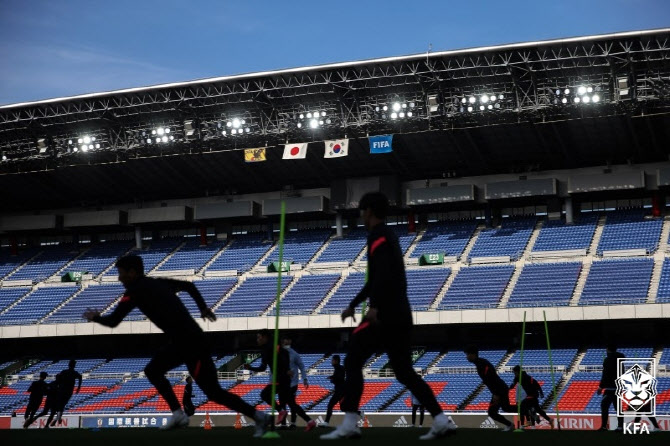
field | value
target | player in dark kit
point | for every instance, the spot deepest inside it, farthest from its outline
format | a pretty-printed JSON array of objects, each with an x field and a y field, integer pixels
[
  {"x": 607, "y": 387},
  {"x": 158, "y": 300},
  {"x": 66, "y": 379},
  {"x": 386, "y": 326},
  {"x": 531, "y": 404},
  {"x": 186, "y": 400},
  {"x": 50, "y": 405},
  {"x": 497, "y": 387},
  {"x": 37, "y": 391},
  {"x": 284, "y": 375},
  {"x": 337, "y": 378}
]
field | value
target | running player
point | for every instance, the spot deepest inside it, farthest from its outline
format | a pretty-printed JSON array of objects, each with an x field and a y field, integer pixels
[{"x": 158, "y": 300}]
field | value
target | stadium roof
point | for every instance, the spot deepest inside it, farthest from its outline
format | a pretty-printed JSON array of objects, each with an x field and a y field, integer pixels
[
  {"x": 331, "y": 66},
  {"x": 534, "y": 123}
]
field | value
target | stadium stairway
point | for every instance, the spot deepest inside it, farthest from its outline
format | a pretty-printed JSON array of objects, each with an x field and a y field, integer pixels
[
  {"x": 471, "y": 242},
  {"x": 659, "y": 258},
  {"x": 202, "y": 270},
  {"x": 81, "y": 289},
  {"x": 597, "y": 235},
  {"x": 167, "y": 257},
  {"x": 533, "y": 239},
  {"x": 259, "y": 266},
  {"x": 319, "y": 251},
  {"x": 443, "y": 291},
  {"x": 518, "y": 267},
  {"x": 330, "y": 293},
  {"x": 230, "y": 292},
  {"x": 291, "y": 284},
  {"x": 414, "y": 244},
  {"x": 581, "y": 281}
]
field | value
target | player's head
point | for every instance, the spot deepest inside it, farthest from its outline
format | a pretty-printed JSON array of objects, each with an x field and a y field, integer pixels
[
  {"x": 189, "y": 379},
  {"x": 263, "y": 336},
  {"x": 374, "y": 208},
  {"x": 516, "y": 370},
  {"x": 72, "y": 363},
  {"x": 335, "y": 360},
  {"x": 43, "y": 376},
  {"x": 611, "y": 347},
  {"x": 471, "y": 352},
  {"x": 130, "y": 268},
  {"x": 286, "y": 341}
]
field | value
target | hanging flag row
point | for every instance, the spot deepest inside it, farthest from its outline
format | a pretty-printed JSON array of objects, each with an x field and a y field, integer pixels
[{"x": 335, "y": 148}]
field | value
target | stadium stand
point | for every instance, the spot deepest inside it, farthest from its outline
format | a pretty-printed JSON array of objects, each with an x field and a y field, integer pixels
[
  {"x": 300, "y": 246},
  {"x": 617, "y": 281},
  {"x": 556, "y": 235},
  {"x": 242, "y": 253},
  {"x": 51, "y": 260},
  {"x": 630, "y": 229},
  {"x": 99, "y": 257},
  {"x": 508, "y": 240},
  {"x": 35, "y": 305},
  {"x": 545, "y": 284},
  {"x": 306, "y": 294},
  {"x": 424, "y": 285},
  {"x": 252, "y": 297},
  {"x": 94, "y": 296},
  {"x": 351, "y": 285},
  {"x": 448, "y": 238},
  {"x": 191, "y": 256},
  {"x": 344, "y": 249},
  {"x": 477, "y": 287}
]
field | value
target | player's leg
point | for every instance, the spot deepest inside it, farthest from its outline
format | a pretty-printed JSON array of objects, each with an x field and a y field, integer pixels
[
  {"x": 422, "y": 412},
  {"x": 294, "y": 393},
  {"x": 165, "y": 360},
  {"x": 400, "y": 356},
  {"x": 334, "y": 399},
  {"x": 203, "y": 372},
  {"x": 414, "y": 408},
  {"x": 604, "y": 409},
  {"x": 494, "y": 408},
  {"x": 363, "y": 342}
]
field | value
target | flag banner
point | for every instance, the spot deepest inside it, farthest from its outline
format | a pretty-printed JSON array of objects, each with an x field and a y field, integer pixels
[
  {"x": 336, "y": 148},
  {"x": 295, "y": 151},
  {"x": 381, "y": 144},
  {"x": 254, "y": 155}
]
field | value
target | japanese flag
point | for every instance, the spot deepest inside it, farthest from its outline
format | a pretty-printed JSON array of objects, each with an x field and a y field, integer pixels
[
  {"x": 336, "y": 148},
  {"x": 295, "y": 151}
]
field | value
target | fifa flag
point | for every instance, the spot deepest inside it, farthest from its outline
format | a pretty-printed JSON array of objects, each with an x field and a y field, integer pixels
[
  {"x": 254, "y": 155},
  {"x": 381, "y": 144},
  {"x": 295, "y": 151},
  {"x": 336, "y": 148}
]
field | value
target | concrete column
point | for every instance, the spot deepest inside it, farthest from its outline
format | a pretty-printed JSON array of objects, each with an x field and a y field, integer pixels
[
  {"x": 138, "y": 237},
  {"x": 569, "y": 211},
  {"x": 338, "y": 224}
]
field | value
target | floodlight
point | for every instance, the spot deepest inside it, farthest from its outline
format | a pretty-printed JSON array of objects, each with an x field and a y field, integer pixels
[
  {"x": 581, "y": 90},
  {"x": 396, "y": 106},
  {"x": 313, "y": 123},
  {"x": 596, "y": 98}
]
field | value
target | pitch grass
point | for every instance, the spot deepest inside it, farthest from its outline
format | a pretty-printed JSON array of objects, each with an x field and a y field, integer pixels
[{"x": 371, "y": 437}]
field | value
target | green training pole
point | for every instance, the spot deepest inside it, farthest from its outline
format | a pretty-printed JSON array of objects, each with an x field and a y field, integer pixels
[
  {"x": 551, "y": 364},
  {"x": 282, "y": 224},
  {"x": 518, "y": 384}
]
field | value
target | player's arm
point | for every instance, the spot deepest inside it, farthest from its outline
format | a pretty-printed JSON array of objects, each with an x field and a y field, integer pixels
[
  {"x": 192, "y": 290},
  {"x": 79, "y": 378},
  {"x": 113, "y": 319},
  {"x": 303, "y": 372}
]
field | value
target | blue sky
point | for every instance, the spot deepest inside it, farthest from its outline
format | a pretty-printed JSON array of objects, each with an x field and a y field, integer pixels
[{"x": 66, "y": 47}]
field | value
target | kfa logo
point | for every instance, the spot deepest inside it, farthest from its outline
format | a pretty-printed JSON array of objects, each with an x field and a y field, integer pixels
[
  {"x": 380, "y": 145},
  {"x": 636, "y": 391}
]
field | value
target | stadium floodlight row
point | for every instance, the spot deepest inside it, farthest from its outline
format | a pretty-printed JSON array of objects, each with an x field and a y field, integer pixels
[{"x": 546, "y": 80}]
